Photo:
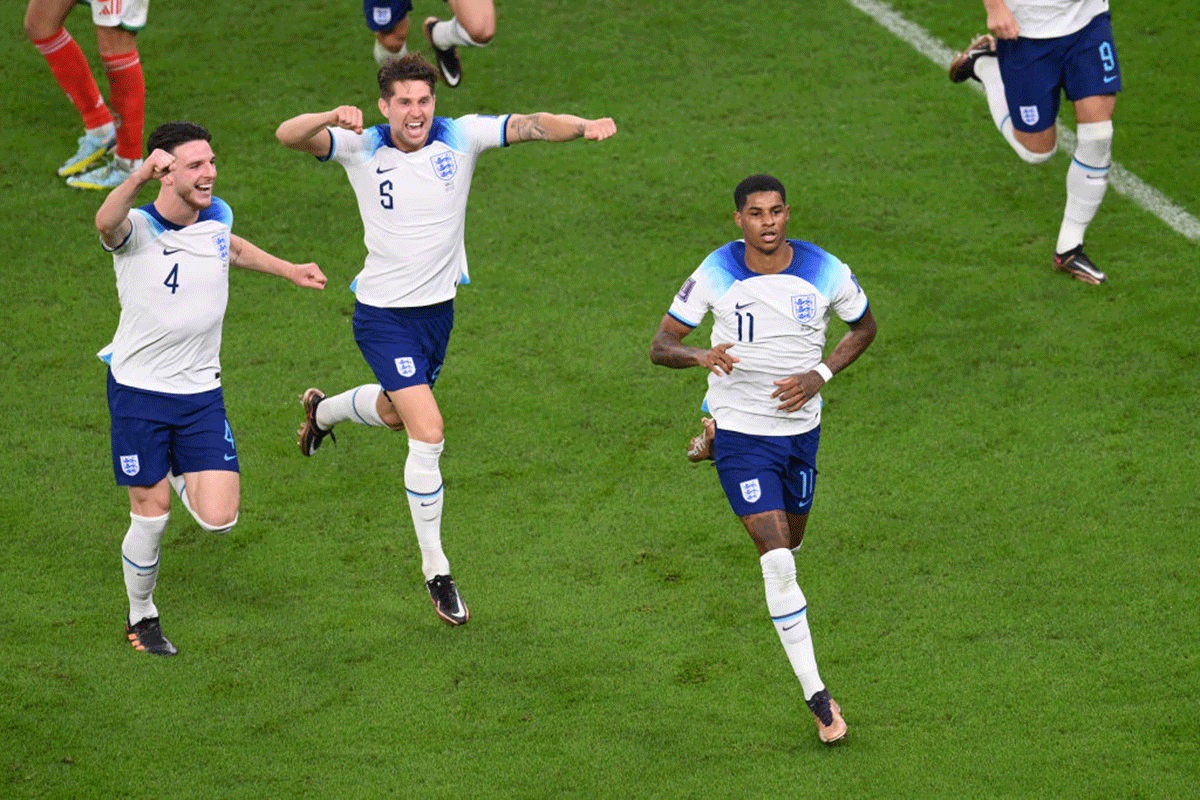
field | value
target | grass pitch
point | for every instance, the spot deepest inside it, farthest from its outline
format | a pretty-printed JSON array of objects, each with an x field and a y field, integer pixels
[{"x": 1001, "y": 561}]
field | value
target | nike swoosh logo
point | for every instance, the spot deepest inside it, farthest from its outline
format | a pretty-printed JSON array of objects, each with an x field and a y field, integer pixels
[
  {"x": 1110, "y": 78},
  {"x": 230, "y": 458},
  {"x": 789, "y": 627},
  {"x": 167, "y": 252},
  {"x": 380, "y": 171},
  {"x": 431, "y": 502},
  {"x": 740, "y": 306}
]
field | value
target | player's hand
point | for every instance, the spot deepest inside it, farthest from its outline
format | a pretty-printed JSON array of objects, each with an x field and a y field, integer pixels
[
  {"x": 718, "y": 360},
  {"x": 1002, "y": 23},
  {"x": 347, "y": 117},
  {"x": 796, "y": 390},
  {"x": 597, "y": 129},
  {"x": 157, "y": 165},
  {"x": 308, "y": 276}
]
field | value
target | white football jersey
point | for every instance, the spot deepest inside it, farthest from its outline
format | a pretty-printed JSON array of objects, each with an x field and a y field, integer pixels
[
  {"x": 777, "y": 324},
  {"x": 414, "y": 207},
  {"x": 173, "y": 286},
  {"x": 1050, "y": 19}
]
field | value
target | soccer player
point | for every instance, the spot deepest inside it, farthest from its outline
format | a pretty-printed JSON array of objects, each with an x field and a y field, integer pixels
[
  {"x": 771, "y": 299},
  {"x": 411, "y": 176},
  {"x": 117, "y": 25},
  {"x": 1042, "y": 48},
  {"x": 169, "y": 427},
  {"x": 473, "y": 24}
]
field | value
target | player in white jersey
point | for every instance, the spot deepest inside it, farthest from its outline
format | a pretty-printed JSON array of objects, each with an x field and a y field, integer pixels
[
  {"x": 1046, "y": 48},
  {"x": 411, "y": 177},
  {"x": 169, "y": 427},
  {"x": 771, "y": 299}
]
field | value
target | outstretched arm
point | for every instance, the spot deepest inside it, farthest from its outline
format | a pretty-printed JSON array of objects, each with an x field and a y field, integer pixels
[
  {"x": 542, "y": 127},
  {"x": 668, "y": 350},
  {"x": 796, "y": 390},
  {"x": 248, "y": 256},
  {"x": 112, "y": 219},
  {"x": 308, "y": 132}
]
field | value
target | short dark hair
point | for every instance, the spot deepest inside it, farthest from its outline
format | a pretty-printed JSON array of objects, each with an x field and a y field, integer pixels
[
  {"x": 757, "y": 183},
  {"x": 170, "y": 135},
  {"x": 412, "y": 67}
]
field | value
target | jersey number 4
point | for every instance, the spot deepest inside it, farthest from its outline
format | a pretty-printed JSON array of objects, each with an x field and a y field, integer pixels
[{"x": 172, "y": 281}]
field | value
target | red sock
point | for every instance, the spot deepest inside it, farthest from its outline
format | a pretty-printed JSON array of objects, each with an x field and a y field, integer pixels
[
  {"x": 127, "y": 85},
  {"x": 71, "y": 70}
]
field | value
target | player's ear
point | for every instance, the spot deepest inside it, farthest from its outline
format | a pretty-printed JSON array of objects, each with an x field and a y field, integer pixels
[{"x": 383, "y": 107}]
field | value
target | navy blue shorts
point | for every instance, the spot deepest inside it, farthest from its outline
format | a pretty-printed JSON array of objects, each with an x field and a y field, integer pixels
[
  {"x": 382, "y": 15},
  {"x": 153, "y": 432},
  {"x": 404, "y": 346},
  {"x": 767, "y": 473},
  {"x": 1035, "y": 71}
]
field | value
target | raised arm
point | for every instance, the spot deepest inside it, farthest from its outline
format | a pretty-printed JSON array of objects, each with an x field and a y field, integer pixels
[
  {"x": 309, "y": 133},
  {"x": 542, "y": 127},
  {"x": 668, "y": 349},
  {"x": 249, "y": 256},
  {"x": 112, "y": 219}
]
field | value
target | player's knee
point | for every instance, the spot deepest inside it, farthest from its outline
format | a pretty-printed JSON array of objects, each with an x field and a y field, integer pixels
[
  {"x": 214, "y": 522},
  {"x": 1031, "y": 157},
  {"x": 1093, "y": 147},
  {"x": 482, "y": 31},
  {"x": 38, "y": 28}
]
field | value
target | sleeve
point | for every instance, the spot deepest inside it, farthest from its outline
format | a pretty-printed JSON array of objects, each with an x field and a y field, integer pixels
[
  {"x": 139, "y": 231},
  {"x": 849, "y": 301},
  {"x": 349, "y": 148},
  {"x": 483, "y": 132},
  {"x": 698, "y": 293}
]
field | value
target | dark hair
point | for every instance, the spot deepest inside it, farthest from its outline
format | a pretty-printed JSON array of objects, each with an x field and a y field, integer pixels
[
  {"x": 412, "y": 67},
  {"x": 170, "y": 135},
  {"x": 757, "y": 183}
]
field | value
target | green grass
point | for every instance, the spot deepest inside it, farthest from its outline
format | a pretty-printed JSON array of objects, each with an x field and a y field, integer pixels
[{"x": 1001, "y": 561}]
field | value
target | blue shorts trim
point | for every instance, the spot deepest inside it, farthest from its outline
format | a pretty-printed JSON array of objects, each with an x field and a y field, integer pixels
[
  {"x": 404, "y": 346},
  {"x": 383, "y": 15},
  {"x": 1037, "y": 71},
  {"x": 153, "y": 432},
  {"x": 768, "y": 473}
]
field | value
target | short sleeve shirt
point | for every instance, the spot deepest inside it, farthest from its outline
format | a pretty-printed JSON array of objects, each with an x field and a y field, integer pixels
[
  {"x": 1051, "y": 19},
  {"x": 777, "y": 324}
]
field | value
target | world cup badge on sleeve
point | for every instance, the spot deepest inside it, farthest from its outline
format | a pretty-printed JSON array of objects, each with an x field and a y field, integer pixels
[
  {"x": 444, "y": 164},
  {"x": 751, "y": 491},
  {"x": 685, "y": 291},
  {"x": 221, "y": 240},
  {"x": 406, "y": 367},
  {"x": 804, "y": 307},
  {"x": 130, "y": 465}
]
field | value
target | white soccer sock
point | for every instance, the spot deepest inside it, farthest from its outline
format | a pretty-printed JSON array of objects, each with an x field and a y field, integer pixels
[
  {"x": 449, "y": 33},
  {"x": 383, "y": 55},
  {"x": 102, "y": 132},
  {"x": 356, "y": 405},
  {"x": 789, "y": 612},
  {"x": 423, "y": 483},
  {"x": 139, "y": 559},
  {"x": 987, "y": 69},
  {"x": 1087, "y": 181}
]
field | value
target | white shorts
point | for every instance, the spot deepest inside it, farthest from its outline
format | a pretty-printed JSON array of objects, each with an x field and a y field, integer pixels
[{"x": 128, "y": 14}]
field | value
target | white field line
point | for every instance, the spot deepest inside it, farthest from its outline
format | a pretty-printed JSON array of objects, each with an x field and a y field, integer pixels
[{"x": 1121, "y": 179}]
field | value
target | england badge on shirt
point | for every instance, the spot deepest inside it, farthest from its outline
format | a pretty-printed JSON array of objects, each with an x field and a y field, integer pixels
[
  {"x": 751, "y": 491},
  {"x": 130, "y": 465},
  {"x": 444, "y": 164},
  {"x": 221, "y": 240},
  {"x": 406, "y": 367},
  {"x": 804, "y": 307}
]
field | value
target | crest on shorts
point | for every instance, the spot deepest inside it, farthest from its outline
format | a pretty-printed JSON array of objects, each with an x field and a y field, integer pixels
[
  {"x": 130, "y": 464},
  {"x": 381, "y": 14},
  {"x": 751, "y": 491},
  {"x": 221, "y": 240},
  {"x": 1029, "y": 115},
  {"x": 406, "y": 367},
  {"x": 804, "y": 307},
  {"x": 444, "y": 164}
]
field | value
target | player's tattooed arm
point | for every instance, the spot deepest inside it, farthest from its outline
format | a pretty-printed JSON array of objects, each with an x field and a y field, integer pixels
[{"x": 542, "y": 127}]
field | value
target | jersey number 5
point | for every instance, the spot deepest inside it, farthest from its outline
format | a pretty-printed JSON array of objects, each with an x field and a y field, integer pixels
[{"x": 385, "y": 194}]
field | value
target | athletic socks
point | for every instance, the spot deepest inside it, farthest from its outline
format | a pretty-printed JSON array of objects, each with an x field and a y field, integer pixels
[
  {"x": 71, "y": 70},
  {"x": 1087, "y": 181},
  {"x": 423, "y": 484},
  {"x": 449, "y": 33},
  {"x": 789, "y": 612},
  {"x": 356, "y": 405},
  {"x": 383, "y": 55},
  {"x": 127, "y": 89},
  {"x": 139, "y": 558}
]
